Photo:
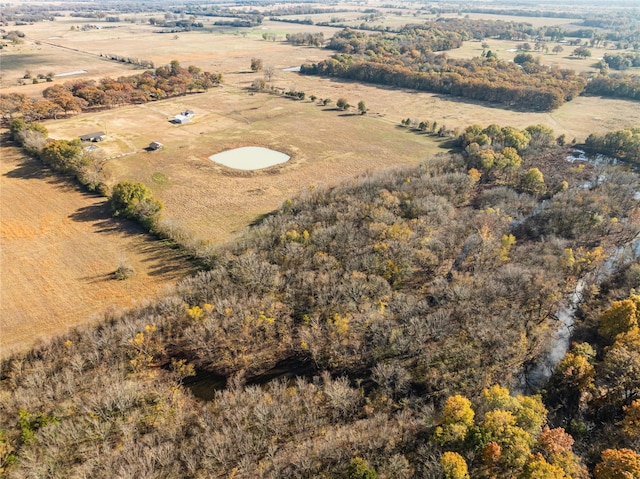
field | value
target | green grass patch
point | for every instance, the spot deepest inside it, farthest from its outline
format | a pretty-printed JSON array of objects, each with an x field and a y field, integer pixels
[{"x": 160, "y": 179}]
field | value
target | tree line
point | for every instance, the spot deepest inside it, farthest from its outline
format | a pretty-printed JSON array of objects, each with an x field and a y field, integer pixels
[
  {"x": 622, "y": 61},
  {"x": 533, "y": 87},
  {"x": 407, "y": 60},
  {"x": 84, "y": 95},
  {"x": 132, "y": 200},
  {"x": 623, "y": 144}
]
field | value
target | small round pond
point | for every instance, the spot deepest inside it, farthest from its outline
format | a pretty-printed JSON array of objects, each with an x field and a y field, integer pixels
[{"x": 250, "y": 158}]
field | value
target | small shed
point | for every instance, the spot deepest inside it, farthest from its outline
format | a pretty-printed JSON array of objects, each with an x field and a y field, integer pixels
[
  {"x": 155, "y": 145},
  {"x": 183, "y": 117},
  {"x": 96, "y": 136}
]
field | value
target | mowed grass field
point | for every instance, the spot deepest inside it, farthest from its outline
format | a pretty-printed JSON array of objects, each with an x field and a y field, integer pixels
[
  {"x": 59, "y": 246},
  {"x": 58, "y": 250}
]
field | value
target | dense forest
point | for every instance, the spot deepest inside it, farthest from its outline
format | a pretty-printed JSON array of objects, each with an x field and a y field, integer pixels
[
  {"x": 407, "y": 60},
  {"x": 369, "y": 329}
]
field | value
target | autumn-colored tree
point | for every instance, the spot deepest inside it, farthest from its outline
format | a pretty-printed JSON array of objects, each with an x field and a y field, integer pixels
[
  {"x": 359, "y": 469},
  {"x": 618, "y": 464},
  {"x": 135, "y": 200},
  {"x": 576, "y": 372},
  {"x": 621, "y": 366},
  {"x": 533, "y": 182},
  {"x": 61, "y": 96},
  {"x": 498, "y": 397},
  {"x": 557, "y": 447},
  {"x": 631, "y": 423},
  {"x": 515, "y": 443},
  {"x": 12, "y": 103},
  {"x": 622, "y": 316},
  {"x": 541, "y": 136},
  {"x": 457, "y": 418},
  {"x": 63, "y": 155},
  {"x": 454, "y": 466},
  {"x": 538, "y": 468}
]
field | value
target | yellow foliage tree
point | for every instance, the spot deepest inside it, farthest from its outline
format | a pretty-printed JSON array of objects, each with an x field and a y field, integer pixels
[
  {"x": 454, "y": 466},
  {"x": 538, "y": 468},
  {"x": 622, "y": 316},
  {"x": 576, "y": 371},
  {"x": 631, "y": 421},
  {"x": 515, "y": 443},
  {"x": 456, "y": 421},
  {"x": 618, "y": 464}
]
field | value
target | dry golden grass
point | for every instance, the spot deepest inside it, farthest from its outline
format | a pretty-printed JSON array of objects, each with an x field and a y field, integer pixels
[
  {"x": 58, "y": 250},
  {"x": 212, "y": 201}
]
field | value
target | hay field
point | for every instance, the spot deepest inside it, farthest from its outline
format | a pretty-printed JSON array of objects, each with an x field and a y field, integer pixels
[{"x": 58, "y": 248}]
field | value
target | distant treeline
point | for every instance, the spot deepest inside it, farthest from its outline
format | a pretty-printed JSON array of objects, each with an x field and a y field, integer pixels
[
  {"x": 616, "y": 86},
  {"x": 406, "y": 59},
  {"x": 409, "y": 39},
  {"x": 622, "y": 61},
  {"x": 82, "y": 95},
  {"x": 311, "y": 39}
]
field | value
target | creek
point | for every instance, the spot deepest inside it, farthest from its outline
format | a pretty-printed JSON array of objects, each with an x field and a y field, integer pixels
[{"x": 536, "y": 376}]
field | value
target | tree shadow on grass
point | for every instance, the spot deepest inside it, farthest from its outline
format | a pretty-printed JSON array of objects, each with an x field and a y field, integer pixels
[
  {"x": 29, "y": 168},
  {"x": 100, "y": 215},
  {"x": 162, "y": 260},
  {"x": 98, "y": 278}
]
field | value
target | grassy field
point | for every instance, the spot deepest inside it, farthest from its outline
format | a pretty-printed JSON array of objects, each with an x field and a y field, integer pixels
[
  {"x": 58, "y": 250},
  {"x": 213, "y": 201}
]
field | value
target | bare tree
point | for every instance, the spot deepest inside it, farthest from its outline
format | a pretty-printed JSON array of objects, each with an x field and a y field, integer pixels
[{"x": 269, "y": 72}]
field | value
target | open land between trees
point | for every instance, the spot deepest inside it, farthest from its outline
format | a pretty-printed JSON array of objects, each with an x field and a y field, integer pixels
[{"x": 209, "y": 202}]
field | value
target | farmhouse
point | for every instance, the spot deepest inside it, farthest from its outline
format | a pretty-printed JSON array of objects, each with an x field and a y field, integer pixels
[
  {"x": 155, "y": 145},
  {"x": 183, "y": 117},
  {"x": 96, "y": 136}
]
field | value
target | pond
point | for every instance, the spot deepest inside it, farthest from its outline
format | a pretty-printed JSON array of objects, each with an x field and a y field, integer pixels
[{"x": 250, "y": 158}]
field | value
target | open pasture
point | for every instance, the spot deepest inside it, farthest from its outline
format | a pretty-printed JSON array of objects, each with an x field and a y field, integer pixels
[
  {"x": 213, "y": 202},
  {"x": 53, "y": 47},
  {"x": 58, "y": 251}
]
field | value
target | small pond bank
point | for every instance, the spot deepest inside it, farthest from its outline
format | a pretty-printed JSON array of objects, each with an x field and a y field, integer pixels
[{"x": 250, "y": 158}]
